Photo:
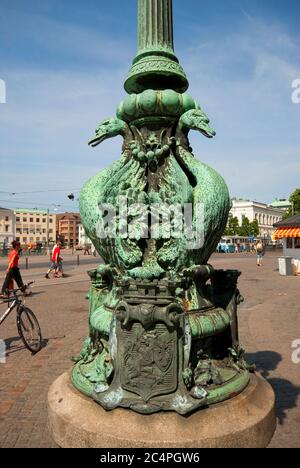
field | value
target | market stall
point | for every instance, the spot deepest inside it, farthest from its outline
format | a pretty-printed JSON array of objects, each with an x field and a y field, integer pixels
[{"x": 289, "y": 231}]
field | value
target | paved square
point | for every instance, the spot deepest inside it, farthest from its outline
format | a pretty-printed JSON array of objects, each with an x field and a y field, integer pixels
[{"x": 269, "y": 323}]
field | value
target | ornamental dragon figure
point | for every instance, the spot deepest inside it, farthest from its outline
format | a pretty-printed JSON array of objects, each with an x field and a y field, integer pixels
[{"x": 163, "y": 322}]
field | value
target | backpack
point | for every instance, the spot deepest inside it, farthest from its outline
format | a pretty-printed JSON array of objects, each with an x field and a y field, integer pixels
[{"x": 259, "y": 248}]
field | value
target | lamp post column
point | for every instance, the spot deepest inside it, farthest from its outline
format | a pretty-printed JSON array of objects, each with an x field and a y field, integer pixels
[{"x": 156, "y": 65}]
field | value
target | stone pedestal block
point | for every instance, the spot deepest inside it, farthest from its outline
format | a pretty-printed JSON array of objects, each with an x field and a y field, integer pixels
[{"x": 248, "y": 420}]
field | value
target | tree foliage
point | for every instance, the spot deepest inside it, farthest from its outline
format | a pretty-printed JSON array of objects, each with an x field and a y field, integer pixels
[
  {"x": 233, "y": 228},
  {"x": 295, "y": 201},
  {"x": 246, "y": 230},
  {"x": 254, "y": 228}
]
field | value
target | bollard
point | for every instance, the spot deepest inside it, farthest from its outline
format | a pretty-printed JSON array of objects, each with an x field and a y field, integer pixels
[
  {"x": 2, "y": 352},
  {"x": 78, "y": 260},
  {"x": 27, "y": 263}
]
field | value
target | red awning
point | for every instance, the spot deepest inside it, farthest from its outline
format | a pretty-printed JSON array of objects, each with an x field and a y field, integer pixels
[{"x": 284, "y": 233}]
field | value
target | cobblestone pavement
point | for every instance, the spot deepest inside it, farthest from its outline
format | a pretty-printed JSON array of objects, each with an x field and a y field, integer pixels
[{"x": 269, "y": 323}]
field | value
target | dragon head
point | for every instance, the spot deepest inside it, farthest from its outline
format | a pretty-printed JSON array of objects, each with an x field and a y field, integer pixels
[
  {"x": 109, "y": 128},
  {"x": 196, "y": 119}
]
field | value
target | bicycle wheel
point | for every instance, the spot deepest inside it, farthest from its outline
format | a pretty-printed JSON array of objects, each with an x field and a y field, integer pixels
[{"x": 29, "y": 330}]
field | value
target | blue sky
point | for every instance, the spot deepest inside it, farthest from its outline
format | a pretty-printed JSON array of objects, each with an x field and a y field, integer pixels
[{"x": 64, "y": 63}]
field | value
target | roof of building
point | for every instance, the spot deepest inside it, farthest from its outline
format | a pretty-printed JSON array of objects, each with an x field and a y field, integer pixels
[
  {"x": 30, "y": 211},
  {"x": 5, "y": 209},
  {"x": 239, "y": 203},
  {"x": 66, "y": 216},
  {"x": 294, "y": 221},
  {"x": 281, "y": 203}
]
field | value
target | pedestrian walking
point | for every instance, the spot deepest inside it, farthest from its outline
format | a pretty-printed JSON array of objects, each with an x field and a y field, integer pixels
[
  {"x": 56, "y": 262},
  {"x": 259, "y": 252},
  {"x": 87, "y": 249},
  {"x": 13, "y": 272},
  {"x": 94, "y": 251}
]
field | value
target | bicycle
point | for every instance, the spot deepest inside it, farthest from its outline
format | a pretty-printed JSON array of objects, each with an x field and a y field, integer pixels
[{"x": 27, "y": 323}]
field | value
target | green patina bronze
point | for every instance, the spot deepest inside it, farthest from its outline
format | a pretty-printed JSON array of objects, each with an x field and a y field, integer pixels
[{"x": 163, "y": 322}]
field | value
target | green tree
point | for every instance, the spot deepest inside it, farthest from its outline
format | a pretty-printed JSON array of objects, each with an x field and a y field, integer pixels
[
  {"x": 233, "y": 227},
  {"x": 245, "y": 229},
  {"x": 295, "y": 201},
  {"x": 254, "y": 228}
]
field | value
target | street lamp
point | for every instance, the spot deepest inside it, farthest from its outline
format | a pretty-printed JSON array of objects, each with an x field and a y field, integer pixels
[{"x": 48, "y": 221}]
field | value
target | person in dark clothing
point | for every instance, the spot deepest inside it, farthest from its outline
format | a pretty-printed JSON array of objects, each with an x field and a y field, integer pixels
[{"x": 12, "y": 271}]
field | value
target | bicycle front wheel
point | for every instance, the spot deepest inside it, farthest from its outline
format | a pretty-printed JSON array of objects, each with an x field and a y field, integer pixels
[{"x": 29, "y": 330}]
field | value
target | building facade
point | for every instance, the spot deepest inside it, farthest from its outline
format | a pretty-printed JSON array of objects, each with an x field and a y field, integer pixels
[
  {"x": 7, "y": 226},
  {"x": 67, "y": 228},
  {"x": 83, "y": 238},
  {"x": 34, "y": 226},
  {"x": 266, "y": 215}
]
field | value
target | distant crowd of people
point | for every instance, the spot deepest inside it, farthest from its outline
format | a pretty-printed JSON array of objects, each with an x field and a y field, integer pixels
[
  {"x": 56, "y": 265},
  {"x": 257, "y": 248}
]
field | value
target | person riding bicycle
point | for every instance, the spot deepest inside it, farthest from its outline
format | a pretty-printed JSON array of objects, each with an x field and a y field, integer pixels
[
  {"x": 13, "y": 272},
  {"x": 56, "y": 261}
]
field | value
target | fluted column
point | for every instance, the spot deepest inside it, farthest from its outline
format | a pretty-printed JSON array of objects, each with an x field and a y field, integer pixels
[
  {"x": 155, "y": 65},
  {"x": 155, "y": 25}
]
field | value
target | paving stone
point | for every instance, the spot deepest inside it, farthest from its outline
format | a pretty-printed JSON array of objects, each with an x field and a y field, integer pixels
[{"x": 269, "y": 322}]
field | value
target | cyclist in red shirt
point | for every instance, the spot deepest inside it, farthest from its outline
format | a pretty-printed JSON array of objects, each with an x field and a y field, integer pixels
[{"x": 13, "y": 272}]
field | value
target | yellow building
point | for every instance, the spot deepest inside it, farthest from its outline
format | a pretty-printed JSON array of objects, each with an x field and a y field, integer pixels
[{"x": 34, "y": 226}]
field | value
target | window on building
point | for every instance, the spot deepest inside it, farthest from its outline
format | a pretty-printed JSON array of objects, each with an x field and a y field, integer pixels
[
  {"x": 6, "y": 218},
  {"x": 18, "y": 220},
  {"x": 44, "y": 220},
  {"x": 297, "y": 243},
  {"x": 50, "y": 220},
  {"x": 24, "y": 220},
  {"x": 18, "y": 239},
  {"x": 289, "y": 243},
  {"x": 37, "y": 220},
  {"x": 6, "y": 228},
  {"x": 31, "y": 220}
]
